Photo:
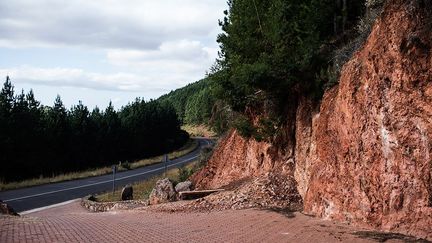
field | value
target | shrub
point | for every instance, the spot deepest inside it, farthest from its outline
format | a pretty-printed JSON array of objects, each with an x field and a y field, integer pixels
[
  {"x": 244, "y": 127},
  {"x": 126, "y": 165},
  {"x": 184, "y": 173}
]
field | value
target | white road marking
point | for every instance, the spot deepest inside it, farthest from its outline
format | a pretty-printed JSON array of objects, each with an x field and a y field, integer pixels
[
  {"x": 98, "y": 183},
  {"x": 47, "y": 207}
]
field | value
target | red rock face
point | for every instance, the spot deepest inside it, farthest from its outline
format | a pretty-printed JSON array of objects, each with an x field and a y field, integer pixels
[
  {"x": 237, "y": 158},
  {"x": 370, "y": 158},
  {"x": 364, "y": 155}
]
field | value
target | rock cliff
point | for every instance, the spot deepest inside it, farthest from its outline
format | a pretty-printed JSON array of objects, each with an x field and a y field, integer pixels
[
  {"x": 363, "y": 155},
  {"x": 370, "y": 145}
]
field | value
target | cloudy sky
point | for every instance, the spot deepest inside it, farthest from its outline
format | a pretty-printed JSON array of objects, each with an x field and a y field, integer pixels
[{"x": 102, "y": 50}]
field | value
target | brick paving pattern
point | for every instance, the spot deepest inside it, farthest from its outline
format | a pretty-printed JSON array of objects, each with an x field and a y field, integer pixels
[{"x": 71, "y": 223}]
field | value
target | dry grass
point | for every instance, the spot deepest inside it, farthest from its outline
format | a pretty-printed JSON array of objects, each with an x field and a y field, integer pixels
[
  {"x": 199, "y": 130},
  {"x": 187, "y": 148},
  {"x": 142, "y": 189}
]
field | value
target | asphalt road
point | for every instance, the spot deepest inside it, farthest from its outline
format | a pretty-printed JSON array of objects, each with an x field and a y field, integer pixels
[{"x": 44, "y": 195}]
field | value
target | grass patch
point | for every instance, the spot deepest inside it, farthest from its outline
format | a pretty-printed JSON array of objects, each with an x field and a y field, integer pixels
[
  {"x": 142, "y": 189},
  {"x": 187, "y": 148},
  {"x": 199, "y": 130}
]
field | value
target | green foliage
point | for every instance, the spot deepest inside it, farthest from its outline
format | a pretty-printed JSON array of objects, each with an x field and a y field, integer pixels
[
  {"x": 126, "y": 165},
  {"x": 195, "y": 104},
  {"x": 198, "y": 107},
  {"x": 276, "y": 51},
  {"x": 192, "y": 103},
  {"x": 40, "y": 140},
  {"x": 266, "y": 129},
  {"x": 184, "y": 173},
  {"x": 269, "y": 47},
  {"x": 328, "y": 76},
  {"x": 222, "y": 117},
  {"x": 205, "y": 155},
  {"x": 244, "y": 126}
]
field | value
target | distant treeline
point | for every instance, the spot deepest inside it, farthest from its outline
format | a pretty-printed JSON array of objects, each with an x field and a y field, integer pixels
[
  {"x": 41, "y": 140},
  {"x": 194, "y": 102}
]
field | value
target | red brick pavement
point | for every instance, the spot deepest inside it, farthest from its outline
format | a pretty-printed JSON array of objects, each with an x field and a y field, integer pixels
[{"x": 71, "y": 223}]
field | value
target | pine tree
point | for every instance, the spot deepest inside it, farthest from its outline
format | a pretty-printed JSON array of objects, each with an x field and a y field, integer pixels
[{"x": 6, "y": 98}]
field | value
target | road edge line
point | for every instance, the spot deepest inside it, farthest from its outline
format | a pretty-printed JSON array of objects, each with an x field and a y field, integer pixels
[{"x": 48, "y": 207}]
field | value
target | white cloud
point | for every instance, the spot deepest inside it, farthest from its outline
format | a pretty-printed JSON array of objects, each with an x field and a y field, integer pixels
[
  {"x": 74, "y": 77},
  {"x": 150, "y": 46},
  {"x": 175, "y": 59},
  {"x": 133, "y": 24}
]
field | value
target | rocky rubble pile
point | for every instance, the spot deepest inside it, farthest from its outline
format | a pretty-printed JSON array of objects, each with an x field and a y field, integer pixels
[
  {"x": 90, "y": 204},
  {"x": 270, "y": 191}
]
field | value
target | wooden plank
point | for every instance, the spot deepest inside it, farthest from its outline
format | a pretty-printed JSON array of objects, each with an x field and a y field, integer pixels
[{"x": 197, "y": 194}]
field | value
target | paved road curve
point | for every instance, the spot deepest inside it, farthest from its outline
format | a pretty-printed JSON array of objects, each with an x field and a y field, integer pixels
[{"x": 44, "y": 195}]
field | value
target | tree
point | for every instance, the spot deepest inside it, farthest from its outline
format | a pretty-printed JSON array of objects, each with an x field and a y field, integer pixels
[
  {"x": 6, "y": 98},
  {"x": 6, "y": 143},
  {"x": 270, "y": 47},
  {"x": 40, "y": 140}
]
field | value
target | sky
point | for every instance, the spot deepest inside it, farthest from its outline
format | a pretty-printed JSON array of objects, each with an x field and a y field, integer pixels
[{"x": 106, "y": 50}]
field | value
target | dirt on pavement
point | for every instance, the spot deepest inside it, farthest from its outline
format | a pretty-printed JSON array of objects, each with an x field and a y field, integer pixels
[{"x": 72, "y": 223}]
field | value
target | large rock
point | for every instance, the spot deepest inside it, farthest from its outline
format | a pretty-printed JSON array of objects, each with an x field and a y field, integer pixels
[
  {"x": 127, "y": 193},
  {"x": 183, "y": 186},
  {"x": 163, "y": 192}
]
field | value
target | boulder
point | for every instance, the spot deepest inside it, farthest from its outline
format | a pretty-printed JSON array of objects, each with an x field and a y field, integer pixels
[
  {"x": 183, "y": 186},
  {"x": 6, "y": 209},
  {"x": 127, "y": 193},
  {"x": 163, "y": 192}
]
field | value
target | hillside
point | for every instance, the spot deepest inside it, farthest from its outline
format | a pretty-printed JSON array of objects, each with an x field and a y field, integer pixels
[
  {"x": 192, "y": 103},
  {"x": 359, "y": 154}
]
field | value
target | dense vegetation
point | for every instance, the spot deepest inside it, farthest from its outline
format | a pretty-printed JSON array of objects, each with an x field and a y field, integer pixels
[
  {"x": 40, "y": 140},
  {"x": 274, "y": 46},
  {"x": 275, "y": 51},
  {"x": 194, "y": 102},
  {"x": 200, "y": 103},
  {"x": 271, "y": 53}
]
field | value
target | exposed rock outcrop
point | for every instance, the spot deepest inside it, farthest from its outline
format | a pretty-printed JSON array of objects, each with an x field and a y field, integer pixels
[
  {"x": 237, "y": 158},
  {"x": 369, "y": 156},
  {"x": 364, "y": 154}
]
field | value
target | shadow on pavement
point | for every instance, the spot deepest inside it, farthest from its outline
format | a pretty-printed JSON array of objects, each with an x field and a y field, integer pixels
[{"x": 385, "y": 236}]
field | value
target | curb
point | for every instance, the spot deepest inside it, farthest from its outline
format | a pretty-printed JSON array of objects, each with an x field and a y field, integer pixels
[{"x": 99, "y": 207}]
